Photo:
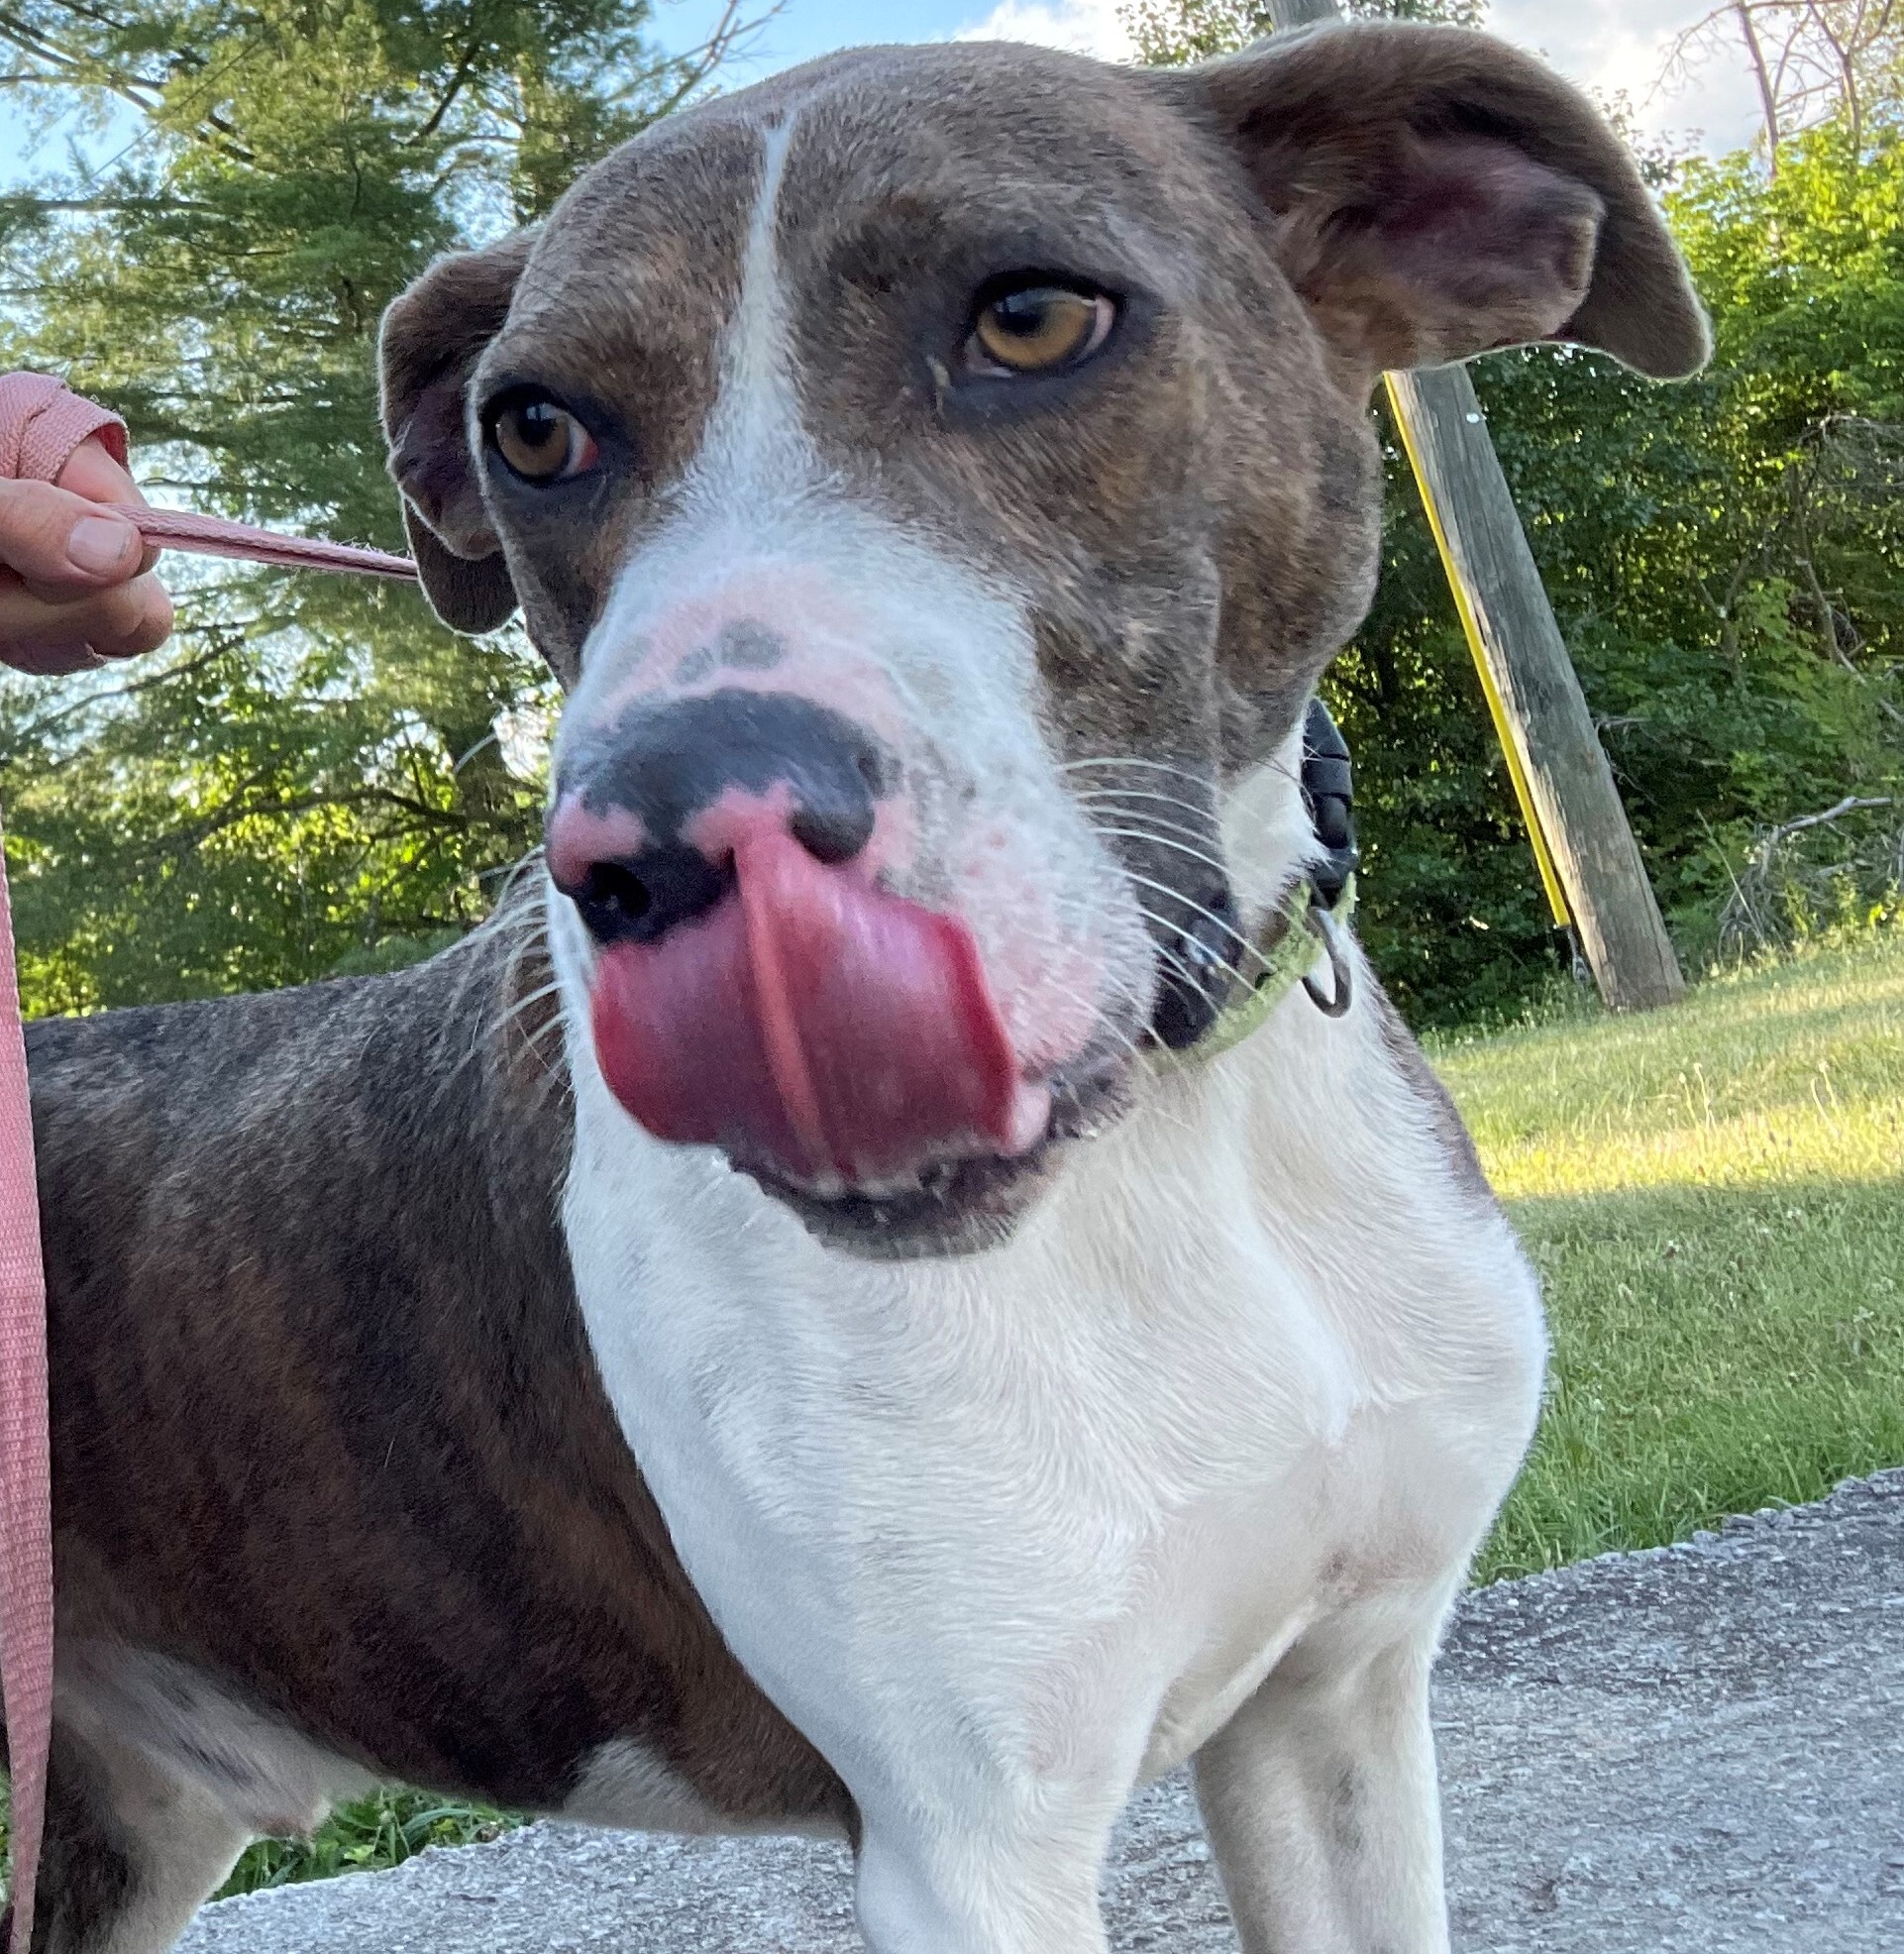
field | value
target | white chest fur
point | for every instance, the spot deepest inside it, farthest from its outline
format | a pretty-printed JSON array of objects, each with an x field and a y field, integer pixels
[{"x": 1010, "y": 1532}]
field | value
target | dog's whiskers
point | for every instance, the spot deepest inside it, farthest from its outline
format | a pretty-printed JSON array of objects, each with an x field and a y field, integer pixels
[
  {"x": 1094, "y": 796},
  {"x": 1207, "y": 782},
  {"x": 527, "y": 1001},
  {"x": 1100, "y": 1018},
  {"x": 1198, "y": 979},
  {"x": 1197, "y": 908},
  {"x": 1140, "y": 1055},
  {"x": 1201, "y": 855},
  {"x": 1190, "y": 976}
]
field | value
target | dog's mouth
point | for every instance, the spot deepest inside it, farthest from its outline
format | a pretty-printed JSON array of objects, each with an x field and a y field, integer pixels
[
  {"x": 840, "y": 1043},
  {"x": 958, "y": 1206}
]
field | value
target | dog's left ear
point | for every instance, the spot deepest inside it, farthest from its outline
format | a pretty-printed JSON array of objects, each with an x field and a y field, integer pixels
[
  {"x": 1434, "y": 193},
  {"x": 431, "y": 338}
]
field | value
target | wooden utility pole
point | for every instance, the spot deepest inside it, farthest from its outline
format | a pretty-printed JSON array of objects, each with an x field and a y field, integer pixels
[{"x": 1589, "y": 861}]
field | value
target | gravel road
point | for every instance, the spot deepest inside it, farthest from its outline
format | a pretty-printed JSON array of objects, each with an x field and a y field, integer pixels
[{"x": 1696, "y": 1748}]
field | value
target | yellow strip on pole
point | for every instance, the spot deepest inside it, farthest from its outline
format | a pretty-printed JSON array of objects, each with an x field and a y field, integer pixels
[{"x": 1536, "y": 836}]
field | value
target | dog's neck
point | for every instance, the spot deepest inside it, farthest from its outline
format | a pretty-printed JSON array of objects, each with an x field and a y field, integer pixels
[{"x": 1266, "y": 833}]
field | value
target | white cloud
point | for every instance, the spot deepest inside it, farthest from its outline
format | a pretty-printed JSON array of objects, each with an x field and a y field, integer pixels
[
  {"x": 1612, "y": 46},
  {"x": 1082, "y": 27},
  {"x": 1617, "y": 46}
]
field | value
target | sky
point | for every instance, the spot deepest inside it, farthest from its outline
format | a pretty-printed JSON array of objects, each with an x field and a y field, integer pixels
[{"x": 1608, "y": 44}]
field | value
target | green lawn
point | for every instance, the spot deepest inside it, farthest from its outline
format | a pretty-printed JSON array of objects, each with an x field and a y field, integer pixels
[{"x": 1715, "y": 1198}]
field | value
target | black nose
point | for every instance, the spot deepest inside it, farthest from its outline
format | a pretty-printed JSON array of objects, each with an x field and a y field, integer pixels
[{"x": 686, "y": 777}]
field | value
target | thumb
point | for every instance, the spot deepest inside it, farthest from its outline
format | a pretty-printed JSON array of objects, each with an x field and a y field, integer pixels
[{"x": 61, "y": 545}]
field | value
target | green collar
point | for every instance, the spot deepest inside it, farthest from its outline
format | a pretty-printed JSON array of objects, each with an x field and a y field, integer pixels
[{"x": 1286, "y": 962}]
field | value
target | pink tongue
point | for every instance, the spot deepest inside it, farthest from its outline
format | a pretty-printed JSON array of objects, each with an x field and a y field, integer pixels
[{"x": 816, "y": 1026}]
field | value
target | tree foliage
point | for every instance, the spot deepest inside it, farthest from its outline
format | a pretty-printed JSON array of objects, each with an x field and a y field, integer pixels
[
  {"x": 1168, "y": 32},
  {"x": 318, "y": 775}
]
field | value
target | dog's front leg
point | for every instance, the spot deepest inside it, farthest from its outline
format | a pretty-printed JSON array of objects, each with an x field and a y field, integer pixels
[
  {"x": 979, "y": 1894},
  {"x": 1323, "y": 1809}
]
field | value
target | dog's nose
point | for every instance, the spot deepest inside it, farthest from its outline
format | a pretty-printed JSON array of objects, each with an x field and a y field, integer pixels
[{"x": 650, "y": 812}]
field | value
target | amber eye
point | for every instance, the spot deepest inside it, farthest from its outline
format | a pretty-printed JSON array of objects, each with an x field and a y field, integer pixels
[
  {"x": 1033, "y": 329},
  {"x": 540, "y": 441}
]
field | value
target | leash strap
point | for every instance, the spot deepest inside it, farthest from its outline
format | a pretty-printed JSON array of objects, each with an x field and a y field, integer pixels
[
  {"x": 25, "y": 1464},
  {"x": 40, "y": 424},
  {"x": 213, "y": 536}
]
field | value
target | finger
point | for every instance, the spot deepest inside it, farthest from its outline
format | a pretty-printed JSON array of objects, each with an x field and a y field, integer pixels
[
  {"x": 92, "y": 472},
  {"x": 117, "y": 623},
  {"x": 150, "y": 626},
  {"x": 60, "y": 544}
]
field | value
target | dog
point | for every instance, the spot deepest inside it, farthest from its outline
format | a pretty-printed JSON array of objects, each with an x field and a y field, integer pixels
[{"x": 793, "y": 1326}]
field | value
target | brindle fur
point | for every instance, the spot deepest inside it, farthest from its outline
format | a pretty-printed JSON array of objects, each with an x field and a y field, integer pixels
[{"x": 326, "y": 1423}]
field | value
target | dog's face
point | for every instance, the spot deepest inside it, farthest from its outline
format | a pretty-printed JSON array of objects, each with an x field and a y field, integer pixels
[{"x": 937, "y": 475}]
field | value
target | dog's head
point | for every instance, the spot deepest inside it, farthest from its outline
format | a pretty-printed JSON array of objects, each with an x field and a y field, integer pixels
[{"x": 938, "y": 477}]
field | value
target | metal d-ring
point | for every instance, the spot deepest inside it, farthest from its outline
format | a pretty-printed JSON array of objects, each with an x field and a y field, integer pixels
[{"x": 1322, "y": 923}]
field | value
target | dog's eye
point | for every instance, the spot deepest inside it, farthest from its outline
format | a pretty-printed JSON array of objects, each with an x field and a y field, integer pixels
[
  {"x": 1038, "y": 328},
  {"x": 540, "y": 441}
]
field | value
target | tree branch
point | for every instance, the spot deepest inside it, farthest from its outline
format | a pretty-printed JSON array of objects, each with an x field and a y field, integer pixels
[
  {"x": 464, "y": 69},
  {"x": 1767, "y": 94}
]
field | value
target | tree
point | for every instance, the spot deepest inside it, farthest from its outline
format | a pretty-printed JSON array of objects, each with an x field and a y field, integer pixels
[
  {"x": 1812, "y": 60},
  {"x": 318, "y": 776},
  {"x": 1167, "y": 31},
  {"x": 1724, "y": 561}
]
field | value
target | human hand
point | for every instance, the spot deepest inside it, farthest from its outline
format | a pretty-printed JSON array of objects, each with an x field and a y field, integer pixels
[{"x": 76, "y": 582}]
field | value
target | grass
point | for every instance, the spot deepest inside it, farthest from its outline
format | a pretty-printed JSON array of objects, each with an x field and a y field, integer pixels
[
  {"x": 367, "y": 1835},
  {"x": 1715, "y": 1198}
]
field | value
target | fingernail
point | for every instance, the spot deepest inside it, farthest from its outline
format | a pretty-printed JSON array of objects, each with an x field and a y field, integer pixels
[{"x": 99, "y": 543}]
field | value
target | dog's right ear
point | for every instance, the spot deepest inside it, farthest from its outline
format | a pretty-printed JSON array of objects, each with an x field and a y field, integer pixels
[
  {"x": 431, "y": 340},
  {"x": 1433, "y": 193}
]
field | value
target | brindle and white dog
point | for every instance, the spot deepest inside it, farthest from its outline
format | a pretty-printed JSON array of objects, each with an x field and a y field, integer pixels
[{"x": 866, "y": 1392}]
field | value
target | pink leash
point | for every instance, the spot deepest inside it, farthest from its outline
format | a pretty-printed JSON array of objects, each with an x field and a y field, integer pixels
[
  {"x": 26, "y": 1469},
  {"x": 212, "y": 535},
  {"x": 26, "y": 1462}
]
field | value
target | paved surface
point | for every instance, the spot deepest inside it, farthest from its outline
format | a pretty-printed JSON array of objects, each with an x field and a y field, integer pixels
[{"x": 1697, "y": 1748}]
